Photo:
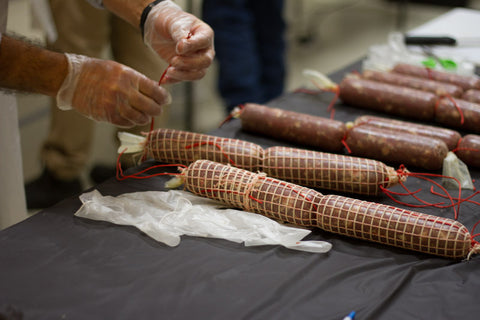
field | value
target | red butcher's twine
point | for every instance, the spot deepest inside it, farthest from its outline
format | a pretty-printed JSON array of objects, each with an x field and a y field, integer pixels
[
  {"x": 236, "y": 112},
  {"x": 457, "y": 148},
  {"x": 331, "y": 105},
  {"x": 455, "y": 104},
  {"x": 454, "y": 202},
  {"x": 429, "y": 73},
  {"x": 139, "y": 175},
  {"x": 162, "y": 77}
]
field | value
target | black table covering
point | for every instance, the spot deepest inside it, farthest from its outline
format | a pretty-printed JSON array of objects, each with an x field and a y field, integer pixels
[{"x": 57, "y": 266}]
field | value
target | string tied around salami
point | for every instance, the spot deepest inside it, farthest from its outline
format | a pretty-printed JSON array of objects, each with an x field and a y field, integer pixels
[{"x": 455, "y": 104}]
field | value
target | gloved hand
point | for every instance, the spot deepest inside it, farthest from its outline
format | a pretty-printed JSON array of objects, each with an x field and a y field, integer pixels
[
  {"x": 105, "y": 90},
  {"x": 181, "y": 39}
]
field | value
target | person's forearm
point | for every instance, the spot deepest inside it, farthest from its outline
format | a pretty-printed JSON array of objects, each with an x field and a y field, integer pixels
[
  {"x": 128, "y": 10},
  {"x": 28, "y": 68}
]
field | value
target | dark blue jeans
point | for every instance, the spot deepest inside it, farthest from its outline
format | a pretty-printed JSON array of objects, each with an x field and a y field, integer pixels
[{"x": 250, "y": 48}]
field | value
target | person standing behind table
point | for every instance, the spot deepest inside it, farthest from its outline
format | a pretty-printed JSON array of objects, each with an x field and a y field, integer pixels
[
  {"x": 86, "y": 30},
  {"x": 250, "y": 48},
  {"x": 99, "y": 89}
]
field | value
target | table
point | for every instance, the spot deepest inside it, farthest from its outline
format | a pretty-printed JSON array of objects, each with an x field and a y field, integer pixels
[{"x": 57, "y": 266}]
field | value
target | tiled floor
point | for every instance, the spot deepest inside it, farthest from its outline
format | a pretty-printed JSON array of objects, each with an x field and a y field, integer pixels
[{"x": 341, "y": 31}]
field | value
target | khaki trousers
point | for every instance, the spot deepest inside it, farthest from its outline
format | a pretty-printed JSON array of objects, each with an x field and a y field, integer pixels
[
  {"x": 83, "y": 29},
  {"x": 13, "y": 208}
]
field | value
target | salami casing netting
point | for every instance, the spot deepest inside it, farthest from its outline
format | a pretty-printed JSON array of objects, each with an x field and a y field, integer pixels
[
  {"x": 329, "y": 171},
  {"x": 176, "y": 146},
  {"x": 306, "y": 207},
  {"x": 394, "y": 226},
  {"x": 253, "y": 192}
]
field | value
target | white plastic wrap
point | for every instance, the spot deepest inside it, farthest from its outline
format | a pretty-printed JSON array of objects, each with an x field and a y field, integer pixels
[
  {"x": 383, "y": 57},
  {"x": 165, "y": 216}
]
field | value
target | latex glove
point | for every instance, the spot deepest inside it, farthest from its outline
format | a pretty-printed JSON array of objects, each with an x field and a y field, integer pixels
[
  {"x": 108, "y": 91},
  {"x": 181, "y": 39}
]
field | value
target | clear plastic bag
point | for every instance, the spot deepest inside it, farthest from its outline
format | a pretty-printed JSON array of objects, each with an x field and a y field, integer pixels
[
  {"x": 165, "y": 216},
  {"x": 456, "y": 168},
  {"x": 383, "y": 57}
]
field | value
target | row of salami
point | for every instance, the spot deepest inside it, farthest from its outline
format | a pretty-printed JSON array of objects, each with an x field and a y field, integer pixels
[
  {"x": 391, "y": 141},
  {"x": 308, "y": 168},
  {"x": 414, "y": 92},
  {"x": 293, "y": 202}
]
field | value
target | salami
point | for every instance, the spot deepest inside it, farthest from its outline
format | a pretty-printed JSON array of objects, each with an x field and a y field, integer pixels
[
  {"x": 450, "y": 137},
  {"x": 254, "y": 192},
  {"x": 394, "y": 226},
  {"x": 436, "y": 87},
  {"x": 458, "y": 113},
  {"x": 176, "y": 146},
  {"x": 305, "y": 207},
  {"x": 387, "y": 98},
  {"x": 469, "y": 150},
  {"x": 299, "y": 128},
  {"x": 472, "y": 95},
  {"x": 465, "y": 82},
  {"x": 393, "y": 147},
  {"x": 329, "y": 171}
]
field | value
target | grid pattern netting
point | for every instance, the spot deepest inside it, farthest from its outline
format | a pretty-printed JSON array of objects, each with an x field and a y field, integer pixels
[
  {"x": 328, "y": 171},
  {"x": 342, "y": 215},
  {"x": 307, "y": 168},
  {"x": 253, "y": 192},
  {"x": 174, "y": 146},
  {"x": 394, "y": 226}
]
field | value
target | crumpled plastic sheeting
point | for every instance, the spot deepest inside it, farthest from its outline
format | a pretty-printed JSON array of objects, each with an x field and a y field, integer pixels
[
  {"x": 456, "y": 168},
  {"x": 165, "y": 216}
]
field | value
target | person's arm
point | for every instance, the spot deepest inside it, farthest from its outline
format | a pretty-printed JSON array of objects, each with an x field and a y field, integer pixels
[
  {"x": 178, "y": 37},
  {"x": 29, "y": 68},
  {"x": 102, "y": 90}
]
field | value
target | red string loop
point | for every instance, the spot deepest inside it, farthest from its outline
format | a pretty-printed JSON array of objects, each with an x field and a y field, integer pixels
[
  {"x": 455, "y": 104},
  {"x": 237, "y": 111},
  {"x": 455, "y": 203},
  {"x": 138, "y": 175}
]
